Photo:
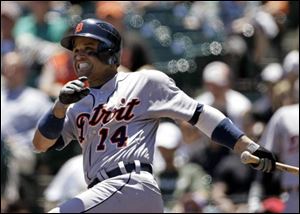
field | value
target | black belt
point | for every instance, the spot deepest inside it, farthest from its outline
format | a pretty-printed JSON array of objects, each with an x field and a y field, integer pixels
[{"x": 116, "y": 172}]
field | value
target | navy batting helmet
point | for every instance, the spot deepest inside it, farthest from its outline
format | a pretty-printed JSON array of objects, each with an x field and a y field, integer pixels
[{"x": 109, "y": 37}]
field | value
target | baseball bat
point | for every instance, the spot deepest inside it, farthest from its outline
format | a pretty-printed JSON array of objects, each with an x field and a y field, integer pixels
[{"x": 247, "y": 157}]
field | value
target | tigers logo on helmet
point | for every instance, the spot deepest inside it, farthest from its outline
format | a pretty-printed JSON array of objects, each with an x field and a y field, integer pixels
[{"x": 79, "y": 27}]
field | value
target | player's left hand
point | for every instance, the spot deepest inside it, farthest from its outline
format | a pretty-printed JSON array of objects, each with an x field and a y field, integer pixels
[{"x": 267, "y": 161}]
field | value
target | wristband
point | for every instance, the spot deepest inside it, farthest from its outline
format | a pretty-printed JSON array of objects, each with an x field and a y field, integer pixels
[
  {"x": 226, "y": 133},
  {"x": 51, "y": 126}
]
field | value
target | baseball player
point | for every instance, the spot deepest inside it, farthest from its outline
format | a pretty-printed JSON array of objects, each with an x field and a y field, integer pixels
[
  {"x": 115, "y": 119},
  {"x": 282, "y": 137}
]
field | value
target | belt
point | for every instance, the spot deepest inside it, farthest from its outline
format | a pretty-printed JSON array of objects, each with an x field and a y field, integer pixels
[{"x": 116, "y": 172}]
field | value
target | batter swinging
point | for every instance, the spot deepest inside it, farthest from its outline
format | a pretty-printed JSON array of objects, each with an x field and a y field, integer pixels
[{"x": 115, "y": 121}]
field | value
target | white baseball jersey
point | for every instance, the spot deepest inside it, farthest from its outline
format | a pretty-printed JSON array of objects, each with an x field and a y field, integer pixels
[
  {"x": 282, "y": 137},
  {"x": 118, "y": 122}
]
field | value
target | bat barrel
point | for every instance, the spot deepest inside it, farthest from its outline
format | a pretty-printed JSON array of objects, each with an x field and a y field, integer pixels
[{"x": 287, "y": 168}]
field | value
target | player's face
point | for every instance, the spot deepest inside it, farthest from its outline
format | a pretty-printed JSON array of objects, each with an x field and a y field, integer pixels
[{"x": 87, "y": 64}]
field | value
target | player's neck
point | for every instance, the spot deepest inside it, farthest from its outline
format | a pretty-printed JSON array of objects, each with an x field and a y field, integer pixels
[{"x": 100, "y": 82}]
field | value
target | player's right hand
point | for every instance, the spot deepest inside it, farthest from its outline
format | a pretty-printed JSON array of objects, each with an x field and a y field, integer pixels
[
  {"x": 73, "y": 91},
  {"x": 267, "y": 161}
]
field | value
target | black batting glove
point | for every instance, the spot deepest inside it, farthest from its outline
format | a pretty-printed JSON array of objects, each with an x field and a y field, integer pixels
[
  {"x": 267, "y": 161},
  {"x": 73, "y": 91}
]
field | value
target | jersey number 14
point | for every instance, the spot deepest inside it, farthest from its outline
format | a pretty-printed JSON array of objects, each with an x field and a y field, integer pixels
[{"x": 119, "y": 138}]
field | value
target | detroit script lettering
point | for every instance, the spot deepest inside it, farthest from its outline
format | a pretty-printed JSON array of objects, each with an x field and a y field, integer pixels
[{"x": 101, "y": 115}]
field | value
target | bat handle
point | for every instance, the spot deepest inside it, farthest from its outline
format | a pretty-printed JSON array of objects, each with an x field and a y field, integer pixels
[{"x": 247, "y": 157}]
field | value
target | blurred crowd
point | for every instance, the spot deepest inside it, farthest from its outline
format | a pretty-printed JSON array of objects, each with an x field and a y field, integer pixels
[{"x": 241, "y": 57}]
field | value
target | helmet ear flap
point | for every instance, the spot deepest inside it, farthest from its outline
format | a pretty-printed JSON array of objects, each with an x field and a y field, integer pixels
[
  {"x": 113, "y": 60},
  {"x": 112, "y": 57}
]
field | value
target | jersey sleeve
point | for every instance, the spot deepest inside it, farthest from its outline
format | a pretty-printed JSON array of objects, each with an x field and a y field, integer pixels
[{"x": 165, "y": 99}]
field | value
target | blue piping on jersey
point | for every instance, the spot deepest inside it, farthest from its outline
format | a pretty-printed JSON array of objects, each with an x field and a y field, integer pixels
[
  {"x": 196, "y": 114},
  {"x": 94, "y": 99}
]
